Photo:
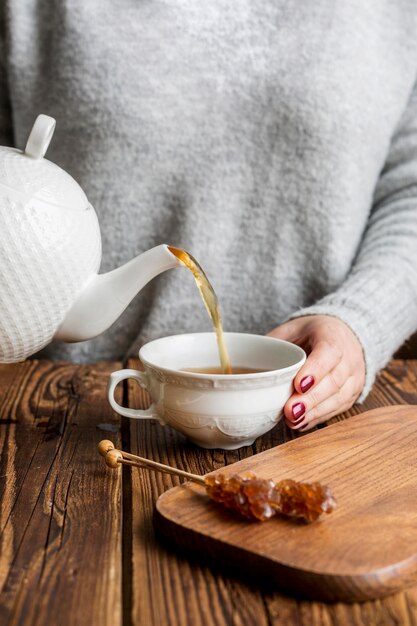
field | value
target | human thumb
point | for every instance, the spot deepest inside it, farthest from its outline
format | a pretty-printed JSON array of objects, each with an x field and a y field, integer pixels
[{"x": 289, "y": 331}]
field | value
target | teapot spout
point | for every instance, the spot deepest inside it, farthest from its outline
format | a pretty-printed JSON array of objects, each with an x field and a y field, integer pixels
[{"x": 106, "y": 296}]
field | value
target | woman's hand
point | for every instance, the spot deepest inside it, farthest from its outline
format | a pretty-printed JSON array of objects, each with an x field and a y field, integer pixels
[{"x": 333, "y": 375}]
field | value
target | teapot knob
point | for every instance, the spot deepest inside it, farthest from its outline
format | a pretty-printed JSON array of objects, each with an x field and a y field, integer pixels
[{"x": 40, "y": 136}]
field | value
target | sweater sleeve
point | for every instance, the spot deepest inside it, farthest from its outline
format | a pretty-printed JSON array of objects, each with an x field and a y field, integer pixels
[
  {"x": 378, "y": 300},
  {"x": 6, "y": 128}
]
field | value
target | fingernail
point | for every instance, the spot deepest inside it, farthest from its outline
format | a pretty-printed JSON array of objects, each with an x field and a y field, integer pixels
[
  {"x": 299, "y": 420},
  {"x": 298, "y": 425},
  {"x": 298, "y": 410},
  {"x": 306, "y": 383}
]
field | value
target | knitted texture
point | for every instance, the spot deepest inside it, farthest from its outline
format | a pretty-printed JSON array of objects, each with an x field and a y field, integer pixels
[{"x": 274, "y": 140}]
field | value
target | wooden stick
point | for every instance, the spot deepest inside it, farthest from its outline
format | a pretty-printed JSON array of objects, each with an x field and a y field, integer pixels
[{"x": 114, "y": 457}]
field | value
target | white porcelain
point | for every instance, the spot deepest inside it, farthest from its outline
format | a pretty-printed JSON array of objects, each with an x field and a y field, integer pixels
[
  {"x": 50, "y": 253},
  {"x": 213, "y": 410}
]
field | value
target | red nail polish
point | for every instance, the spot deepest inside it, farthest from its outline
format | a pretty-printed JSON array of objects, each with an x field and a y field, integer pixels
[
  {"x": 299, "y": 420},
  {"x": 306, "y": 383},
  {"x": 299, "y": 425},
  {"x": 298, "y": 410}
]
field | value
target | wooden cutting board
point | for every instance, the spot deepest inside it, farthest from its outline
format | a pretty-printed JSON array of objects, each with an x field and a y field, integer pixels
[{"x": 365, "y": 549}]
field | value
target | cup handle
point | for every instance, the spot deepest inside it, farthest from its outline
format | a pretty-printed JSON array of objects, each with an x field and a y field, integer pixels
[{"x": 141, "y": 378}]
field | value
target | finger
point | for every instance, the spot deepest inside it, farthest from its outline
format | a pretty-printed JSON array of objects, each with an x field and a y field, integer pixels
[
  {"x": 324, "y": 418},
  {"x": 324, "y": 357},
  {"x": 290, "y": 331},
  {"x": 331, "y": 384},
  {"x": 336, "y": 404},
  {"x": 304, "y": 424}
]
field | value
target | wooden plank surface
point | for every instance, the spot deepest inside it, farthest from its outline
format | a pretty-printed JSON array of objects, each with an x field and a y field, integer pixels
[
  {"x": 60, "y": 545},
  {"x": 366, "y": 548},
  {"x": 60, "y": 542},
  {"x": 169, "y": 589}
]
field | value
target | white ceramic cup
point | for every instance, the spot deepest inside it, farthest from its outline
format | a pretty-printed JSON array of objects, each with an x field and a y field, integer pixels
[{"x": 214, "y": 410}]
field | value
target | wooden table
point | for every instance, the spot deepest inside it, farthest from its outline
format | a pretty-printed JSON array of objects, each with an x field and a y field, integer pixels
[{"x": 77, "y": 545}]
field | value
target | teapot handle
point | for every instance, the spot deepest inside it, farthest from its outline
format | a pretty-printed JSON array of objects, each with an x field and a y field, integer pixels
[{"x": 40, "y": 136}]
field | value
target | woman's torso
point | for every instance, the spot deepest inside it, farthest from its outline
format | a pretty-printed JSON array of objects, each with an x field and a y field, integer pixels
[{"x": 250, "y": 133}]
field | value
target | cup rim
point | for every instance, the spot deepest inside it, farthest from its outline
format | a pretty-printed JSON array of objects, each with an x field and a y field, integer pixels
[{"x": 206, "y": 376}]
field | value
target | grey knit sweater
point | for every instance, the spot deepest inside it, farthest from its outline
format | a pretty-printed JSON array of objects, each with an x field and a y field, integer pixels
[{"x": 276, "y": 140}]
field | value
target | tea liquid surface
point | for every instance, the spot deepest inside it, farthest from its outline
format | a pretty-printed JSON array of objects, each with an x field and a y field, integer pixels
[{"x": 219, "y": 370}]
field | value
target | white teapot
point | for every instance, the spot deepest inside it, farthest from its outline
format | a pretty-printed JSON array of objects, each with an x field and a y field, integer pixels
[{"x": 50, "y": 254}]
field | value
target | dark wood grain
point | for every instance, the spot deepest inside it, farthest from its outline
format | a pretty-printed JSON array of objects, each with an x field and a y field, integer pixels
[
  {"x": 61, "y": 518},
  {"x": 240, "y": 600},
  {"x": 60, "y": 558},
  {"x": 409, "y": 349}
]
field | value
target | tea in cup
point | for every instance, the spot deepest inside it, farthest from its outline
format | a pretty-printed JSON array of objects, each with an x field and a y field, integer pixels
[{"x": 214, "y": 410}]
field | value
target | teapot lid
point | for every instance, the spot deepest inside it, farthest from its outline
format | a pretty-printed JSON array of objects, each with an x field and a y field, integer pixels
[{"x": 36, "y": 178}]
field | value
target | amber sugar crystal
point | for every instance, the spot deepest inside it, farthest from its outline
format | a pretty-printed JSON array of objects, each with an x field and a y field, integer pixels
[{"x": 260, "y": 499}]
